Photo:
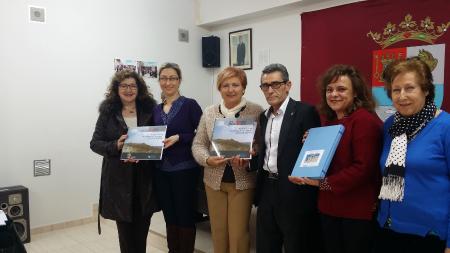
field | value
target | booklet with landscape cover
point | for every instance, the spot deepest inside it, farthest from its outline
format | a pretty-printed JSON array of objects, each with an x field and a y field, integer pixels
[
  {"x": 318, "y": 151},
  {"x": 144, "y": 143},
  {"x": 233, "y": 137}
]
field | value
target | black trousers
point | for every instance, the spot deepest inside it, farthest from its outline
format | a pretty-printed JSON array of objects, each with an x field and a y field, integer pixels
[
  {"x": 133, "y": 235},
  {"x": 342, "y": 235},
  {"x": 278, "y": 225},
  {"x": 388, "y": 241},
  {"x": 177, "y": 196}
]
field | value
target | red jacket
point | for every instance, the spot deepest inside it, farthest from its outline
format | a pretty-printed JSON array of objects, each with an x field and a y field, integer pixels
[{"x": 354, "y": 174}]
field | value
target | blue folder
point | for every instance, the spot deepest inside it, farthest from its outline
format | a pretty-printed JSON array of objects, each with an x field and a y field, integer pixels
[{"x": 318, "y": 151}]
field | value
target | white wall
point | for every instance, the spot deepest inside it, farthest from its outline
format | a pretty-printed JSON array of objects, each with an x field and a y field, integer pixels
[
  {"x": 213, "y": 11},
  {"x": 280, "y": 35},
  {"x": 54, "y": 75}
]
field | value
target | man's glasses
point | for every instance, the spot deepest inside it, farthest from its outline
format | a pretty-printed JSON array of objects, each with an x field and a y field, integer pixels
[
  {"x": 127, "y": 86},
  {"x": 165, "y": 79},
  {"x": 274, "y": 85}
]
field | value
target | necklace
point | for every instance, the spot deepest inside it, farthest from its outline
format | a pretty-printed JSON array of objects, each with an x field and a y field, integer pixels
[{"x": 130, "y": 110}]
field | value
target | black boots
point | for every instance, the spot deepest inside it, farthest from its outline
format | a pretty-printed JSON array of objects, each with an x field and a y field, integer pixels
[
  {"x": 180, "y": 239},
  {"x": 187, "y": 239},
  {"x": 172, "y": 238}
]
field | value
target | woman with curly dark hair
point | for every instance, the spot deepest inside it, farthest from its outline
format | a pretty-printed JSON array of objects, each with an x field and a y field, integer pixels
[
  {"x": 126, "y": 194},
  {"x": 348, "y": 193}
]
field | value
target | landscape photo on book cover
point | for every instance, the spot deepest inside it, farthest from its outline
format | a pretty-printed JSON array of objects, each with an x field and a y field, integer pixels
[
  {"x": 312, "y": 158},
  {"x": 233, "y": 137},
  {"x": 318, "y": 151},
  {"x": 144, "y": 143}
]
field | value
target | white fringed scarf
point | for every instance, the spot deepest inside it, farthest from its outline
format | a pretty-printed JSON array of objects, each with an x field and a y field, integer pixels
[{"x": 402, "y": 131}]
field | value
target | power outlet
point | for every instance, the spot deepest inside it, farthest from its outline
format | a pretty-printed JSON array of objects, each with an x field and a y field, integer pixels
[
  {"x": 183, "y": 35},
  {"x": 37, "y": 14}
]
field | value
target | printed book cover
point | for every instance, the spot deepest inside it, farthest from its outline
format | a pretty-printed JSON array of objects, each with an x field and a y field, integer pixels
[
  {"x": 318, "y": 151},
  {"x": 233, "y": 137},
  {"x": 144, "y": 143}
]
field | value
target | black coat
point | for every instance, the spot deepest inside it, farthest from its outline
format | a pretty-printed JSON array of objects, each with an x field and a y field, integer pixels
[
  {"x": 298, "y": 118},
  {"x": 296, "y": 207},
  {"x": 122, "y": 183}
]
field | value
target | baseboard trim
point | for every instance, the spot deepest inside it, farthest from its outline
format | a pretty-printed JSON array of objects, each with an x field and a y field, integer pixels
[
  {"x": 106, "y": 222},
  {"x": 67, "y": 224}
]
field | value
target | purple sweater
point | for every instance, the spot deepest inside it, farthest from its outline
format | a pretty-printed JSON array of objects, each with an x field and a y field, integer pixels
[{"x": 182, "y": 119}]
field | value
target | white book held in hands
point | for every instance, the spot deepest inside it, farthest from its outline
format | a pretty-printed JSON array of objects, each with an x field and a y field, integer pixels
[
  {"x": 144, "y": 143},
  {"x": 233, "y": 137}
]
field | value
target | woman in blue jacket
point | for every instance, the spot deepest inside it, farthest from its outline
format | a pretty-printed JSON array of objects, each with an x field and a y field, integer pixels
[
  {"x": 414, "y": 213},
  {"x": 177, "y": 174}
]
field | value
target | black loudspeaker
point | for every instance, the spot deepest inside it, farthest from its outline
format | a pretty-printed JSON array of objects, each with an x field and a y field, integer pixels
[
  {"x": 211, "y": 52},
  {"x": 14, "y": 202}
]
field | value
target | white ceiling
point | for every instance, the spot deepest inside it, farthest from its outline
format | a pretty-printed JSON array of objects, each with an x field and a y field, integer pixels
[{"x": 212, "y": 13}]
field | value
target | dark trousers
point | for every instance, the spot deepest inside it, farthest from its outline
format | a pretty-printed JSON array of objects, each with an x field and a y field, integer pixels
[
  {"x": 388, "y": 241},
  {"x": 278, "y": 225},
  {"x": 133, "y": 235},
  {"x": 177, "y": 196},
  {"x": 342, "y": 235}
]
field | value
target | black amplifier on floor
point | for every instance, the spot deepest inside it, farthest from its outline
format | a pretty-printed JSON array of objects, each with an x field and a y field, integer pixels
[{"x": 14, "y": 202}]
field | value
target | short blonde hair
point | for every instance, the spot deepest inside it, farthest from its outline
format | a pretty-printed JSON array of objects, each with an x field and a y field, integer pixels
[{"x": 230, "y": 72}]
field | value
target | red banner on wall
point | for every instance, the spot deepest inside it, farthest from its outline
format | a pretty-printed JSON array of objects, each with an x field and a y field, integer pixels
[{"x": 364, "y": 34}]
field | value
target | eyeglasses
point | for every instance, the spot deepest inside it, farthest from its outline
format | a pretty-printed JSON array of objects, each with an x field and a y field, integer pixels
[
  {"x": 127, "y": 86},
  {"x": 274, "y": 85},
  {"x": 165, "y": 79}
]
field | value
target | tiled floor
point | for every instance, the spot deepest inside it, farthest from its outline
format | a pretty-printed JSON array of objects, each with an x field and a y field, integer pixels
[{"x": 84, "y": 238}]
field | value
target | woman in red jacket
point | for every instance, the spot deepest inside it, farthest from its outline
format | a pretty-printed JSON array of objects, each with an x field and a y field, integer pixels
[{"x": 348, "y": 193}]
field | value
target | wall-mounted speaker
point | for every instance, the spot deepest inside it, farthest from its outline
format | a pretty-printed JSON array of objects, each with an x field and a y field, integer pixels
[
  {"x": 211, "y": 52},
  {"x": 14, "y": 202}
]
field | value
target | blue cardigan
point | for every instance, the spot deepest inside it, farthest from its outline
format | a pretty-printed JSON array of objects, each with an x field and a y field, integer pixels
[
  {"x": 184, "y": 123},
  {"x": 426, "y": 205}
]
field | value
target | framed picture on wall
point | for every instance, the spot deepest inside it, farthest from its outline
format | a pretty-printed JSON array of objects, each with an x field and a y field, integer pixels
[{"x": 240, "y": 48}]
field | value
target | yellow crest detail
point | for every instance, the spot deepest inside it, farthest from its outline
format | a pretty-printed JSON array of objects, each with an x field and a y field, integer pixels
[
  {"x": 428, "y": 58},
  {"x": 408, "y": 29}
]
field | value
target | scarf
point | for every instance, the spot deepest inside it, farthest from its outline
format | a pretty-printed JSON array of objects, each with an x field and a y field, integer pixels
[
  {"x": 231, "y": 113},
  {"x": 403, "y": 130},
  {"x": 176, "y": 107}
]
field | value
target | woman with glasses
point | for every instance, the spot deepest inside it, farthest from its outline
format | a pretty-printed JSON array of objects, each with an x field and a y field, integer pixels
[
  {"x": 126, "y": 194},
  {"x": 229, "y": 183},
  {"x": 348, "y": 193},
  {"x": 177, "y": 173}
]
